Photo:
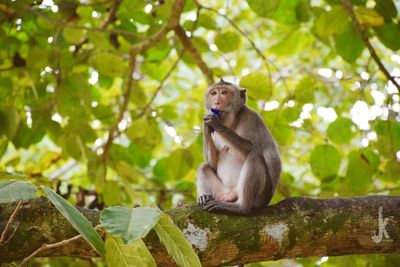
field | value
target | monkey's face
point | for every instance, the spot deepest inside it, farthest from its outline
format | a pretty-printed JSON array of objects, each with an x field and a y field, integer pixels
[{"x": 222, "y": 98}]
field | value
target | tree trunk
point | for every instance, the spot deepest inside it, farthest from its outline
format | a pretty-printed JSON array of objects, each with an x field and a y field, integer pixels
[{"x": 294, "y": 227}]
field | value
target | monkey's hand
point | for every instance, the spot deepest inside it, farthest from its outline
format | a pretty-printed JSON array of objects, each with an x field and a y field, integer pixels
[
  {"x": 204, "y": 199},
  {"x": 212, "y": 121}
]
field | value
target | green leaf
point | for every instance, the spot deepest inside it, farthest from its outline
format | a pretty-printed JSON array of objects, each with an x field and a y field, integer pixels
[
  {"x": 180, "y": 157},
  {"x": 11, "y": 191},
  {"x": 129, "y": 223},
  {"x": 388, "y": 133},
  {"x": 349, "y": 45},
  {"x": 389, "y": 34},
  {"x": 360, "y": 170},
  {"x": 9, "y": 121},
  {"x": 177, "y": 245},
  {"x": 286, "y": 12},
  {"x": 292, "y": 44},
  {"x": 134, "y": 254},
  {"x": 386, "y": 8},
  {"x": 258, "y": 85},
  {"x": 264, "y": 8},
  {"x": 340, "y": 130},
  {"x": 304, "y": 91},
  {"x": 127, "y": 171},
  {"x": 3, "y": 145},
  {"x": 73, "y": 36},
  {"x": 325, "y": 161},
  {"x": 332, "y": 22},
  {"x": 112, "y": 193},
  {"x": 108, "y": 64},
  {"x": 77, "y": 220},
  {"x": 368, "y": 17},
  {"x": 227, "y": 41}
]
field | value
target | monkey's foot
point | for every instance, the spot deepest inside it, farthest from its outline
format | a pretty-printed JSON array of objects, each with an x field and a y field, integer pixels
[
  {"x": 232, "y": 197},
  {"x": 214, "y": 205},
  {"x": 204, "y": 199}
]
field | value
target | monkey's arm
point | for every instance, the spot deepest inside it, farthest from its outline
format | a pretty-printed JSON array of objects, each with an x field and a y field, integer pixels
[{"x": 210, "y": 151}]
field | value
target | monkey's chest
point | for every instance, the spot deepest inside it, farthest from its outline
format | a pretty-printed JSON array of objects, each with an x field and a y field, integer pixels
[{"x": 230, "y": 161}]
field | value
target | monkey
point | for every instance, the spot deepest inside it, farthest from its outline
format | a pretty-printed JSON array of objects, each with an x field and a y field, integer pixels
[{"x": 243, "y": 164}]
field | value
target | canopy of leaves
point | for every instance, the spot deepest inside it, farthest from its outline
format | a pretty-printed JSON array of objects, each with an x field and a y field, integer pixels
[{"x": 80, "y": 113}]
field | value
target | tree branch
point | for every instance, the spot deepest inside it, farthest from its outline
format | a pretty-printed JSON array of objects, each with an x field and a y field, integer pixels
[
  {"x": 293, "y": 227},
  {"x": 188, "y": 46},
  {"x": 364, "y": 37},
  {"x": 173, "y": 20}
]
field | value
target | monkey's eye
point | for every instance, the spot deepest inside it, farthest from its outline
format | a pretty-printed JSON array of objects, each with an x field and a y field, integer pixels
[
  {"x": 224, "y": 92},
  {"x": 213, "y": 93}
]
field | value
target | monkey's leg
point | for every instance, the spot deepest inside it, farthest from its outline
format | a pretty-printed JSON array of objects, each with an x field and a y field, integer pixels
[
  {"x": 251, "y": 187},
  {"x": 209, "y": 185}
]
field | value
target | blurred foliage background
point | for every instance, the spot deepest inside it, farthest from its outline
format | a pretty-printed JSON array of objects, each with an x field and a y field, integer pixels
[{"x": 75, "y": 116}]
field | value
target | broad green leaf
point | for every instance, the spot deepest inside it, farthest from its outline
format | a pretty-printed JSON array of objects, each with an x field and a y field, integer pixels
[
  {"x": 207, "y": 21},
  {"x": 264, "y": 8},
  {"x": 332, "y": 22},
  {"x": 9, "y": 121},
  {"x": 96, "y": 171},
  {"x": 158, "y": 52},
  {"x": 127, "y": 171},
  {"x": 303, "y": 11},
  {"x": 360, "y": 170},
  {"x": 108, "y": 64},
  {"x": 368, "y": 17},
  {"x": 386, "y": 8},
  {"x": 134, "y": 254},
  {"x": 145, "y": 133},
  {"x": 388, "y": 133},
  {"x": 112, "y": 193},
  {"x": 77, "y": 220},
  {"x": 392, "y": 171},
  {"x": 227, "y": 41},
  {"x": 129, "y": 223},
  {"x": 286, "y": 12},
  {"x": 73, "y": 36},
  {"x": 177, "y": 245},
  {"x": 258, "y": 85},
  {"x": 11, "y": 191},
  {"x": 304, "y": 91},
  {"x": 325, "y": 161},
  {"x": 340, "y": 131},
  {"x": 180, "y": 157},
  {"x": 349, "y": 45},
  {"x": 294, "y": 43},
  {"x": 389, "y": 34},
  {"x": 3, "y": 145}
]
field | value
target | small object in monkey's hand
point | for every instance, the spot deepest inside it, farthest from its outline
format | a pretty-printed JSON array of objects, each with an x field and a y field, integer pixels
[{"x": 216, "y": 112}]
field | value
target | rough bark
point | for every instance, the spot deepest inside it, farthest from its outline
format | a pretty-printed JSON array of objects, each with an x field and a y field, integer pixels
[{"x": 294, "y": 227}]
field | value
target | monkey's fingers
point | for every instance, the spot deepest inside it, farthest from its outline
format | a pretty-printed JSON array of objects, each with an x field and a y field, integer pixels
[{"x": 203, "y": 199}]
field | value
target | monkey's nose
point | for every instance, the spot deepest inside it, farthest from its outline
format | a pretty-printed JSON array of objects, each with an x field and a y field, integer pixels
[{"x": 216, "y": 104}]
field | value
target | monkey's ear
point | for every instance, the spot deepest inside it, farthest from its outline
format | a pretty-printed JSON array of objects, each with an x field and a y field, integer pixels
[{"x": 243, "y": 94}]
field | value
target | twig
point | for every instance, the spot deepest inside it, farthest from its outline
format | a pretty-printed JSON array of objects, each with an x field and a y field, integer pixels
[
  {"x": 59, "y": 23},
  {"x": 53, "y": 245},
  {"x": 124, "y": 106},
  {"x": 8, "y": 225},
  {"x": 173, "y": 20},
  {"x": 188, "y": 45},
  {"x": 364, "y": 37},
  {"x": 267, "y": 62},
  {"x": 110, "y": 18},
  {"x": 160, "y": 86}
]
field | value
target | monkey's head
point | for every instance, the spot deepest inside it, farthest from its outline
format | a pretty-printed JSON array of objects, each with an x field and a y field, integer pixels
[{"x": 225, "y": 96}]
